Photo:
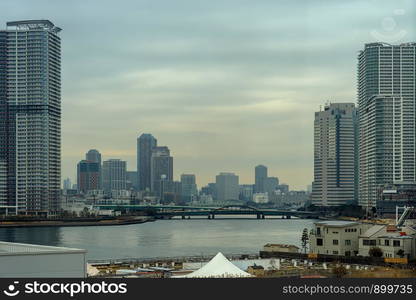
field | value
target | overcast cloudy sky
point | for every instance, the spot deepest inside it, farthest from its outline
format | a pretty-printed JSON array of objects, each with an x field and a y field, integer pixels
[{"x": 225, "y": 84}]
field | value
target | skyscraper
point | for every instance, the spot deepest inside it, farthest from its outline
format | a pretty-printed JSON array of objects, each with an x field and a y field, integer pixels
[
  {"x": 88, "y": 176},
  {"x": 161, "y": 168},
  {"x": 246, "y": 192},
  {"x": 30, "y": 116},
  {"x": 227, "y": 186},
  {"x": 387, "y": 105},
  {"x": 335, "y": 155},
  {"x": 260, "y": 173},
  {"x": 67, "y": 184},
  {"x": 145, "y": 143},
  {"x": 188, "y": 187},
  {"x": 114, "y": 175},
  {"x": 94, "y": 156},
  {"x": 270, "y": 184},
  {"x": 132, "y": 180}
]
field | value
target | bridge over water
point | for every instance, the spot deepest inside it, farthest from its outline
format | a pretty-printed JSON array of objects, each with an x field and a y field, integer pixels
[{"x": 169, "y": 211}]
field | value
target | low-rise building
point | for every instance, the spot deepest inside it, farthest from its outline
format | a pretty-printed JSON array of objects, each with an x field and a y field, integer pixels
[
  {"x": 390, "y": 196},
  {"x": 256, "y": 270},
  {"x": 336, "y": 237},
  {"x": 260, "y": 198},
  {"x": 394, "y": 242},
  {"x": 356, "y": 239},
  {"x": 280, "y": 248}
]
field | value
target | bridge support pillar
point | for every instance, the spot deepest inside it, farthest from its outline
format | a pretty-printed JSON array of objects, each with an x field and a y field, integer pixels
[
  {"x": 262, "y": 216},
  {"x": 288, "y": 217},
  {"x": 258, "y": 216},
  {"x": 183, "y": 217},
  {"x": 213, "y": 216},
  {"x": 209, "y": 217}
]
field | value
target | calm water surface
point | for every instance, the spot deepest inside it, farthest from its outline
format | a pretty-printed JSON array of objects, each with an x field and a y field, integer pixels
[{"x": 166, "y": 237}]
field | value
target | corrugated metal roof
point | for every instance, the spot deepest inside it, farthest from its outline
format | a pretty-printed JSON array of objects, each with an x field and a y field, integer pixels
[
  {"x": 7, "y": 248},
  {"x": 337, "y": 223}
]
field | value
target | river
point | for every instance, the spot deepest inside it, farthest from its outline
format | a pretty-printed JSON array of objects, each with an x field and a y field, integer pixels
[{"x": 164, "y": 238}]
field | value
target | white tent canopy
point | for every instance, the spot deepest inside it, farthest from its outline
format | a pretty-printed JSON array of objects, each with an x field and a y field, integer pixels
[{"x": 218, "y": 267}]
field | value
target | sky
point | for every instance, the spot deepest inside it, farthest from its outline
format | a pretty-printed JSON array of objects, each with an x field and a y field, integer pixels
[{"x": 226, "y": 85}]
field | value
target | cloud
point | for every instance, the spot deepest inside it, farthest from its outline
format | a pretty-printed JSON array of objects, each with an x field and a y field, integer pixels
[{"x": 225, "y": 84}]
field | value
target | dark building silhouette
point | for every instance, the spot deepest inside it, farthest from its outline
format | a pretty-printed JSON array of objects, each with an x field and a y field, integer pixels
[
  {"x": 161, "y": 168},
  {"x": 260, "y": 177},
  {"x": 145, "y": 143}
]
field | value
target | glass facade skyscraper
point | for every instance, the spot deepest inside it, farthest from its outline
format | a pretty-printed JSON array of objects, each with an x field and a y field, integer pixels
[{"x": 30, "y": 117}]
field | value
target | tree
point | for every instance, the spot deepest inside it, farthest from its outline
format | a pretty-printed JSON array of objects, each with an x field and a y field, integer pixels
[
  {"x": 375, "y": 252},
  {"x": 339, "y": 271},
  {"x": 400, "y": 253},
  {"x": 304, "y": 239}
]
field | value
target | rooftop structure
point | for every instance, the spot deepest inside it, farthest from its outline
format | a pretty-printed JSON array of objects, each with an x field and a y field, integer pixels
[
  {"x": 336, "y": 223},
  {"x": 38, "y": 261},
  {"x": 7, "y": 248},
  {"x": 33, "y": 24}
]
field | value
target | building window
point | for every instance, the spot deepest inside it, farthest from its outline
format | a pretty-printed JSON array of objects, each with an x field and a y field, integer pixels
[
  {"x": 335, "y": 252},
  {"x": 334, "y": 242},
  {"x": 369, "y": 242},
  {"x": 347, "y": 242},
  {"x": 396, "y": 243},
  {"x": 318, "y": 230},
  {"x": 386, "y": 243},
  {"x": 334, "y": 232},
  {"x": 319, "y": 242}
]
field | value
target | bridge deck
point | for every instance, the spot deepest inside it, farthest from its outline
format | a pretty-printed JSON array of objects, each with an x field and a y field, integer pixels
[{"x": 173, "y": 210}]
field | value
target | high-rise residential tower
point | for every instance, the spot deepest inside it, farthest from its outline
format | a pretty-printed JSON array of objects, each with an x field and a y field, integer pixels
[
  {"x": 114, "y": 176},
  {"x": 335, "y": 155},
  {"x": 145, "y": 144},
  {"x": 387, "y": 127},
  {"x": 30, "y": 117},
  {"x": 260, "y": 174},
  {"x": 161, "y": 168}
]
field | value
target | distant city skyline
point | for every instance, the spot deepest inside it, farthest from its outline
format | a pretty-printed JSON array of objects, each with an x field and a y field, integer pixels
[{"x": 226, "y": 85}]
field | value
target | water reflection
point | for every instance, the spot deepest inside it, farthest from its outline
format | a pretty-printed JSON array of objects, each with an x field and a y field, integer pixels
[
  {"x": 166, "y": 238},
  {"x": 44, "y": 236}
]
